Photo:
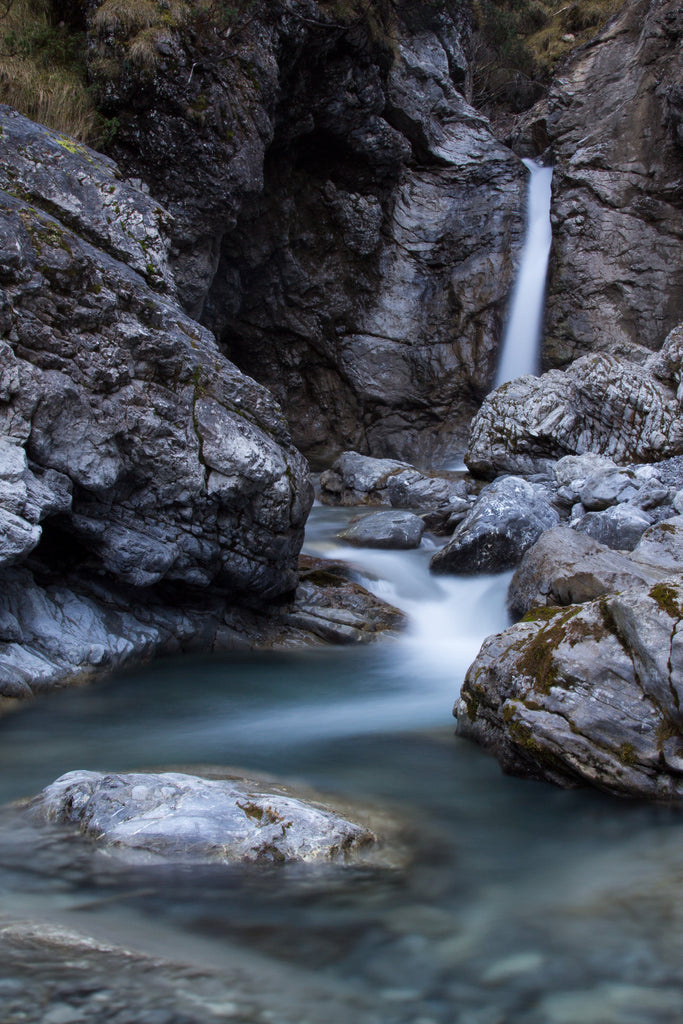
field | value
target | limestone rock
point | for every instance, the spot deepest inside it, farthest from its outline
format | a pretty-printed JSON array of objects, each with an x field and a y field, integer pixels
[
  {"x": 361, "y": 480},
  {"x": 600, "y": 404},
  {"x": 615, "y": 275},
  {"x": 620, "y": 526},
  {"x": 184, "y": 818},
  {"x": 397, "y": 530},
  {"x": 587, "y": 694},
  {"x": 567, "y": 567},
  {"x": 507, "y": 518}
]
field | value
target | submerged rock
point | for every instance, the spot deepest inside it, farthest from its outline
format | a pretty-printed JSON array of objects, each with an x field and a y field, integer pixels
[
  {"x": 507, "y": 518},
  {"x": 177, "y": 817},
  {"x": 397, "y": 530},
  {"x": 587, "y": 694}
]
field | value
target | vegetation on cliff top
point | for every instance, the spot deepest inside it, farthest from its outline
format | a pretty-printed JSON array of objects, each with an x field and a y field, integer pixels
[{"x": 43, "y": 73}]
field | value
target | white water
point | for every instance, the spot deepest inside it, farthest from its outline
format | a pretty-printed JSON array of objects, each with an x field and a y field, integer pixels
[{"x": 521, "y": 343}]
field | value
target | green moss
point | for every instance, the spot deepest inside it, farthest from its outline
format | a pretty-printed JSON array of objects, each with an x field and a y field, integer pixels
[
  {"x": 541, "y": 614},
  {"x": 627, "y": 754},
  {"x": 667, "y": 598}
]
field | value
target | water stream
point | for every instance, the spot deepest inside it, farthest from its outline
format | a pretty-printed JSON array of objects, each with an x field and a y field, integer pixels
[
  {"x": 520, "y": 349},
  {"x": 522, "y": 903}
]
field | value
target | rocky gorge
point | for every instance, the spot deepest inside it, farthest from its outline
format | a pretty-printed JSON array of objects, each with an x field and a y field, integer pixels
[{"x": 297, "y": 257}]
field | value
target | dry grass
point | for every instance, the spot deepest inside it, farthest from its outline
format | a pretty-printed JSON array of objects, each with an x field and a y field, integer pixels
[
  {"x": 581, "y": 20},
  {"x": 40, "y": 74}
]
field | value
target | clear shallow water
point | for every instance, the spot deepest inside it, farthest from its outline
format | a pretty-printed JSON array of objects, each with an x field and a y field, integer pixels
[{"x": 522, "y": 903}]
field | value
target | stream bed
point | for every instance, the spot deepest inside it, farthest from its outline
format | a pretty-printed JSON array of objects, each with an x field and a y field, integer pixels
[{"x": 521, "y": 903}]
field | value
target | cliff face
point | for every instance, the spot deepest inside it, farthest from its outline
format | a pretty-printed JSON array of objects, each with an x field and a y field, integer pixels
[
  {"x": 614, "y": 123},
  {"x": 343, "y": 220}
]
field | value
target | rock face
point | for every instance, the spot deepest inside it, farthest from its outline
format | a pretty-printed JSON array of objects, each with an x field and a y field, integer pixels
[
  {"x": 130, "y": 446},
  {"x": 345, "y": 222},
  {"x": 184, "y": 818},
  {"x": 600, "y": 404},
  {"x": 507, "y": 518},
  {"x": 587, "y": 694},
  {"x": 614, "y": 116}
]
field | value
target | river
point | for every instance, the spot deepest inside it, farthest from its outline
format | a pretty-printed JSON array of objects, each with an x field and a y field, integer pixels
[{"x": 521, "y": 903}]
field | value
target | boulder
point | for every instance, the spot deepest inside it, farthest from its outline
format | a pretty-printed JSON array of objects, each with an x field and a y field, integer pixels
[
  {"x": 565, "y": 567},
  {"x": 173, "y": 817},
  {"x": 661, "y": 546},
  {"x": 620, "y": 526},
  {"x": 361, "y": 480},
  {"x": 587, "y": 694},
  {"x": 132, "y": 452},
  {"x": 601, "y": 404},
  {"x": 398, "y": 530},
  {"x": 507, "y": 518}
]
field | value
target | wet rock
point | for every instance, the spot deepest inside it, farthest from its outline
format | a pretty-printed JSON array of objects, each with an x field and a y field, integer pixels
[
  {"x": 600, "y": 404},
  {"x": 398, "y": 530},
  {"x": 507, "y": 518},
  {"x": 176, "y": 817},
  {"x": 587, "y": 694},
  {"x": 566, "y": 567},
  {"x": 361, "y": 480},
  {"x": 615, "y": 276},
  {"x": 620, "y": 526}
]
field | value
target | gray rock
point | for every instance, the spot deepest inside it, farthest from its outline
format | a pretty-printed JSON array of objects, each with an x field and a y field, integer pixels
[
  {"x": 600, "y": 404},
  {"x": 361, "y": 480},
  {"x": 607, "y": 487},
  {"x": 360, "y": 275},
  {"x": 662, "y": 546},
  {"x": 565, "y": 567},
  {"x": 176, "y": 817},
  {"x": 507, "y": 518},
  {"x": 399, "y": 530},
  {"x": 615, "y": 280},
  {"x": 587, "y": 694},
  {"x": 620, "y": 526},
  {"x": 180, "y": 467}
]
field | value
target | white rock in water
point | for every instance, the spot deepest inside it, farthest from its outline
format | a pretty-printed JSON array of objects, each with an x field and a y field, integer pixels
[{"x": 176, "y": 817}]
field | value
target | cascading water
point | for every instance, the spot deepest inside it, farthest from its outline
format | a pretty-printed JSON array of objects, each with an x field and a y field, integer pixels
[{"x": 519, "y": 354}]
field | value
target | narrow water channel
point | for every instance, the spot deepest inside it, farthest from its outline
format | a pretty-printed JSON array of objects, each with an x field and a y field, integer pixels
[{"x": 521, "y": 902}]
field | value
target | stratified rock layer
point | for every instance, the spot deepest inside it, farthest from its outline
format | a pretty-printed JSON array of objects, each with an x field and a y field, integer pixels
[{"x": 614, "y": 116}]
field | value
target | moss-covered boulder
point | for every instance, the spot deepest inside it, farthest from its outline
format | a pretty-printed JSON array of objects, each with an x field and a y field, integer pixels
[{"x": 587, "y": 694}]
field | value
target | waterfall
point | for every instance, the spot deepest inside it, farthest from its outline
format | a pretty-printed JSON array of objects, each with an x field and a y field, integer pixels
[{"x": 521, "y": 343}]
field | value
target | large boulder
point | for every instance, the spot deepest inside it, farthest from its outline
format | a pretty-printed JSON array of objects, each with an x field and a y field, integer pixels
[
  {"x": 397, "y": 530},
  {"x": 130, "y": 447},
  {"x": 566, "y": 567},
  {"x": 508, "y": 517},
  {"x": 344, "y": 221},
  {"x": 587, "y": 694},
  {"x": 613, "y": 123},
  {"x": 174, "y": 817},
  {"x": 601, "y": 404}
]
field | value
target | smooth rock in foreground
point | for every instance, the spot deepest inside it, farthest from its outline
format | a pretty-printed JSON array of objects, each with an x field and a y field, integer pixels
[
  {"x": 588, "y": 694},
  {"x": 507, "y": 518},
  {"x": 176, "y": 817}
]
